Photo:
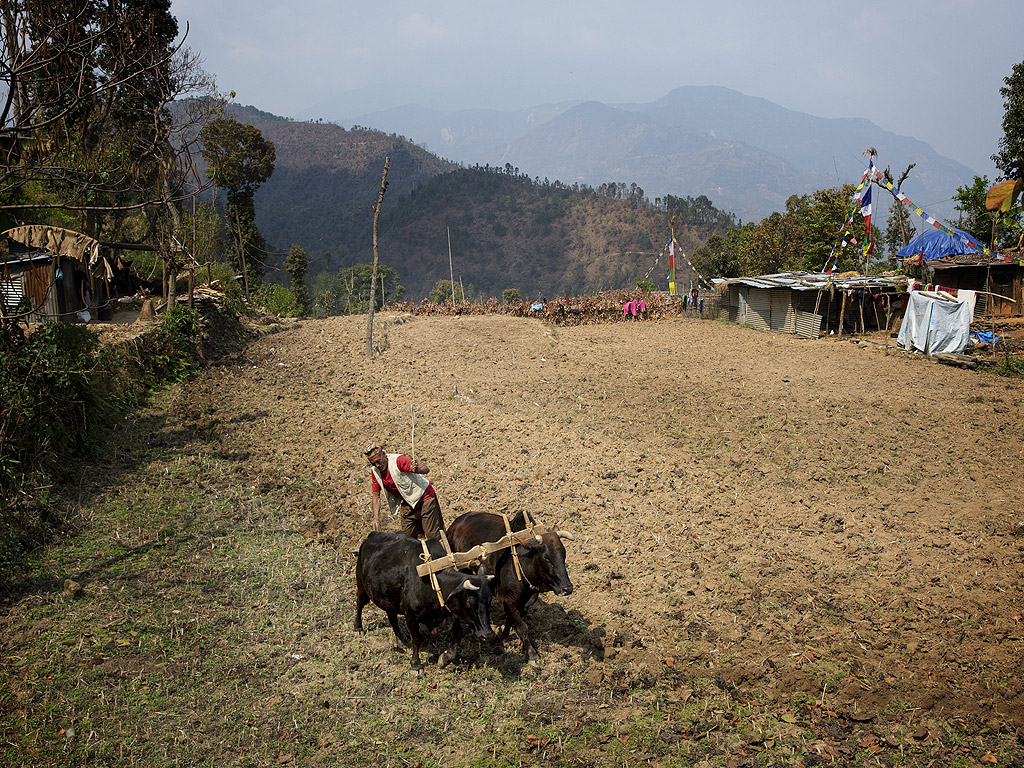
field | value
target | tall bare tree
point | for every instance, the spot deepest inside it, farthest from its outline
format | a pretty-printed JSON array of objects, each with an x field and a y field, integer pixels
[{"x": 373, "y": 274}]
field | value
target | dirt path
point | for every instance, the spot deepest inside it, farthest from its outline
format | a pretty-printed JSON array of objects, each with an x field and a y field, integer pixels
[{"x": 791, "y": 517}]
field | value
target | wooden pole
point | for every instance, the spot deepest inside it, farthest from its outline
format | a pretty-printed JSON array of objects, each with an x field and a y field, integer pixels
[
  {"x": 992, "y": 314},
  {"x": 451, "y": 272},
  {"x": 842, "y": 314},
  {"x": 373, "y": 276},
  {"x": 241, "y": 255},
  {"x": 888, "y": 319}
]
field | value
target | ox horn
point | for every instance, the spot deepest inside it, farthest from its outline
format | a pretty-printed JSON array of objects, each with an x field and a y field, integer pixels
[
  {"x": 564, "y": 535},
  {"x": 490, "y": 576},
  {"x": 467, "y": 584}
]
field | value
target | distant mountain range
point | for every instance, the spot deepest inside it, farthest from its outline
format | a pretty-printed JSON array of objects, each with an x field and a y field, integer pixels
[{"x": 746, "y": 154}]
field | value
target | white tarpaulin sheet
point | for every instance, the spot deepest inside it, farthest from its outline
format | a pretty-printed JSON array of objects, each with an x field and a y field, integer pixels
[{"x": 932, "y": 325}]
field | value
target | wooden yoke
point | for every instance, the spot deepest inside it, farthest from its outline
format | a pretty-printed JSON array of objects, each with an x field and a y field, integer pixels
[{"x": 477, "y": 554}]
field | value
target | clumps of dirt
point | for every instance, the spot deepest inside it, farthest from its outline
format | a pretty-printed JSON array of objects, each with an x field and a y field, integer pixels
[
  {"x": 223, "y": 334},
  {"x": 787, "y": 515}
]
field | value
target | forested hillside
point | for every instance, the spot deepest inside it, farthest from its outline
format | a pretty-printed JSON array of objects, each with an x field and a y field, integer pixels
[
  {"x": 541, "y": 238},
  {"x": 325, "y": 181},
  {"x": 507, "y": 230}
]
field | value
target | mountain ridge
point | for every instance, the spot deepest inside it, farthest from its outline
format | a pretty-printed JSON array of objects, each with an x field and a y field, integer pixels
[{"x": 784, "y": 152}]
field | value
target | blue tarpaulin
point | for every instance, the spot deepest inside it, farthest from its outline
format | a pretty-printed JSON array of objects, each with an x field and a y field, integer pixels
[{"x": 935, "y": 244}]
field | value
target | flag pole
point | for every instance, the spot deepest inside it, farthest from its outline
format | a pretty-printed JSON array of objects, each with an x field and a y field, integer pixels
[{"x": 672, "y": 257}]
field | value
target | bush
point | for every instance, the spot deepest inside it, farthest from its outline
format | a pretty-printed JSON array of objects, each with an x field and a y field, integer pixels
[
  {"x": 224, "y": 277},
  {"x": 1010, "y": 365},
  {"x": 277, "y": 300},
  {"x": 511, "y": 296},
  {"x": 58, "y": 387},
  {"x": 645, "y": 285},
  {"x": 48, "y": 399}
]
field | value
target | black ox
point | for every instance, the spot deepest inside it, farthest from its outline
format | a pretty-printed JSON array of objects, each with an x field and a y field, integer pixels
[
  {"x": 541, "y": 559},
  {"x": 386, "y": 575}
]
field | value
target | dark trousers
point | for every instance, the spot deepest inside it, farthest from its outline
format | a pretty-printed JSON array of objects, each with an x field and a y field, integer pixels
[{"x": 423, "y": 522}]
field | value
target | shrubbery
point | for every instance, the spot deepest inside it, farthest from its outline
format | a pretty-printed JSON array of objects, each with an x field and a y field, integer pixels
[{"x": 59, "y": 388}]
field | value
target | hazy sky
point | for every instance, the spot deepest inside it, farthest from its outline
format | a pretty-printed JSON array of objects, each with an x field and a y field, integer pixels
[{"x": 931, "y": 69}]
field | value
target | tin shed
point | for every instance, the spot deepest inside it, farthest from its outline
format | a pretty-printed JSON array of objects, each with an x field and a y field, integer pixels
[{"x": 53, "y": 274}]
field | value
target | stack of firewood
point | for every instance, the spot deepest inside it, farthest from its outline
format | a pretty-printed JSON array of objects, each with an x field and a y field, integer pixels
[{"x": 605, "y": 307}]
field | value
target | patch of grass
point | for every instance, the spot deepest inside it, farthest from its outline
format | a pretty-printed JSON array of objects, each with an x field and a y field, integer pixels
[
  {"x": 208, "y": 631},
  {"x": 1009, "y": 365}
]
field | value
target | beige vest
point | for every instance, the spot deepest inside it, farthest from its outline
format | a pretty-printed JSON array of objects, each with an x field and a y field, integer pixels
[{"x": 410, "y": 485}]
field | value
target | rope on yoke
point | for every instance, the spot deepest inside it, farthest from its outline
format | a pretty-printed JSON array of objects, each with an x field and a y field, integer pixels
[
  {"x": 425, "y": 557},
  {"x": 515, "y": 554}
]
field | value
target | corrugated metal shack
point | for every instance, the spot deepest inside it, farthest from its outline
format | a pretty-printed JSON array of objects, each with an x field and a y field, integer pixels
[
  {"x": 812, "y": 304},
  {"x": 51, "y": 274},
  {"x": 999, "y": 280}
]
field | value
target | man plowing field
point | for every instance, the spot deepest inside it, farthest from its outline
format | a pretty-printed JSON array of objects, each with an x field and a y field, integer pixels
[{"x": 407, "y": 492}]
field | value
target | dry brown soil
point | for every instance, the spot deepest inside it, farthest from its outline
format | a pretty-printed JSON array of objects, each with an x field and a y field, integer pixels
[{"x": 815, "y": 519}]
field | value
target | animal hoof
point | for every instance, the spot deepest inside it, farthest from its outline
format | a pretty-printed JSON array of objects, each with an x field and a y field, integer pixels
[{"x": 446, "y": 658}]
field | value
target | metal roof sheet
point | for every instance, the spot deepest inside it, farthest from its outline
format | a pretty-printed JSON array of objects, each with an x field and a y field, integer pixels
[{"x": 815, "y": 281}]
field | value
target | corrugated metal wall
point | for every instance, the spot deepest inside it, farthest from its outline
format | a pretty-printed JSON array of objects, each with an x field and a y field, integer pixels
[
  {"x": 808, "y": 324},
  {"x": 783, "y": 315},
  {"x": 759, "y": 309}
]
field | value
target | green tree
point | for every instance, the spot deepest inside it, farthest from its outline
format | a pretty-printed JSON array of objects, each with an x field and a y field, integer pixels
[
  {"x": 511, "y": 296},
  {"x": 974, "y": 218},
  {"x": 297, "y": 263},
  {"x": 239, "y": 160},
  {"x": 718, "y": 257},
  {"x": 991, "y": 228},
  {"x": 898, "y": 229},
  {"x": 1010, "y": 157},
  {"x": 773, "y": 245},
  {"x": 441, "y": 293},
  {"x": 348, "y": 290},
  {"x": 203, "y": 234},
  {"x": 818, "y": 218},
  {"x": 86, "y": 130}
]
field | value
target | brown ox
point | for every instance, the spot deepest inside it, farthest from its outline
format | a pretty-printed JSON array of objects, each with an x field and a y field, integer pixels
[{"x": 541, "y": 559}]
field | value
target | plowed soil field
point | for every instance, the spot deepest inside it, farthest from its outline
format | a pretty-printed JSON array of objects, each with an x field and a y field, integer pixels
[
  {"x": 785, "y": 553},
  {"x": 811, "y": 520}
]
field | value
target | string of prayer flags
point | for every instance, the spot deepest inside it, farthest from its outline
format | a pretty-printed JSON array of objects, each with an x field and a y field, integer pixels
[
  {"x": 967, "y": 240},
  {"x": 841, "y": 241},
  {"x": 670, "y": 249}
]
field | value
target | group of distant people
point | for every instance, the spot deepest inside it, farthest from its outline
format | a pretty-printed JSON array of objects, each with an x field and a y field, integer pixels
[{"x": 695, "y": 301}]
